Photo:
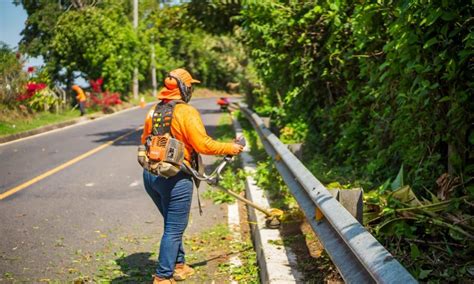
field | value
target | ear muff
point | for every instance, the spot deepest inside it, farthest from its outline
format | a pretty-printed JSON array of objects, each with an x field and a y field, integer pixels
[{"x": 185, "y": 91}]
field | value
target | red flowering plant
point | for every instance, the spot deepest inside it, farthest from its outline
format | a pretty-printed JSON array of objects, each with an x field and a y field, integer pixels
[
  {"x": 31, "y": 89},
  {"x": 38, "y": 96},
  {"x": 100, "y": 99}
]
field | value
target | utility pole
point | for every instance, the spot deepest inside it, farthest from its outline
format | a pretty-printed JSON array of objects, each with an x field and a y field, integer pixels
[
  {"x": 135, "y": 70},
  {"x": 153, "y": 68}
]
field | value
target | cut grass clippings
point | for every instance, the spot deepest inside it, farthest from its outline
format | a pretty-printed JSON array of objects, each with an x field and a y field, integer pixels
[{"x": 207, "y": 252}]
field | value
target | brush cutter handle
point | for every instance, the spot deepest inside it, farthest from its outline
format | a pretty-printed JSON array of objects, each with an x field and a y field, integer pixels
[
  {"x": 214, "y": 176},
  {"x": 240, "y": 141}
]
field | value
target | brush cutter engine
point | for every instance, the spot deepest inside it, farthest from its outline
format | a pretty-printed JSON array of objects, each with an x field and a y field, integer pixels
[{"x": 162, "y": 154}]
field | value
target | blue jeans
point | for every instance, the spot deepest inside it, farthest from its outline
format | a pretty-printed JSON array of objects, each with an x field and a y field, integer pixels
[{"x": 173, "y": 198}]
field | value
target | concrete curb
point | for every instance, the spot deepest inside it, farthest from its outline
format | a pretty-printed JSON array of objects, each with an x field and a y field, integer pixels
[{"x": 277, "y": 263}]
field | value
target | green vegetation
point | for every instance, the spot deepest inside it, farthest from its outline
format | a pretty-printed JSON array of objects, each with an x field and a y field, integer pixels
[
  {"x": 233, "y": 177},
  {"x": 98, "y": 42},
  {"x": 372, "y": 89},
  {"x": 41, "y": 119},
  {"x": 368, "y": 86},
  {"x": 224, "y": 131}
]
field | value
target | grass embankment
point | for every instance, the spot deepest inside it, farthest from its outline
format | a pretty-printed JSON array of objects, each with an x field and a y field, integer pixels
[
  {"x": 17, "y": 121},
  {"x": 12, "y": 123},
  {"x": 233, "y": 177}
]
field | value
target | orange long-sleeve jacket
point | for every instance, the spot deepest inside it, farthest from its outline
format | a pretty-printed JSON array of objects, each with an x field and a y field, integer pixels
[
  {"x": 81, "y": 97},
  {"x": 187, "y": 126}
]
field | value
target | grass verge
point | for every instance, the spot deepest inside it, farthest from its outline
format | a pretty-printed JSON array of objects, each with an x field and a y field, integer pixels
[{"x": 12, "y": 125}]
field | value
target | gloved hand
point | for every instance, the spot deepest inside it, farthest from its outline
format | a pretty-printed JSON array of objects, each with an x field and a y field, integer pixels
[
  {"x": 239, "y": 144},
  {"x": 237, "y": 149}
]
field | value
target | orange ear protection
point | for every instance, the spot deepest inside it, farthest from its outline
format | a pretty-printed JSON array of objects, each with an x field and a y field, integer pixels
[{"x": 185, "y": 91}]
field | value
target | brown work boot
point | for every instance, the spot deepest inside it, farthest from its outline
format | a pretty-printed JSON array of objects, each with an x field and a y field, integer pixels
[
  {"x": 182, "y": 271},
  {"x": 159, "y": 280}
]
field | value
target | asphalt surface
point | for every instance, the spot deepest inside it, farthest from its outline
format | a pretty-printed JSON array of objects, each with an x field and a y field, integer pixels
[{"x": 96, "y": 204}]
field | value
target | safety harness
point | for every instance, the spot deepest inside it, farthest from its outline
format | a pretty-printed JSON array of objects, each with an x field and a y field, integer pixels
[{"x": 162, "y": 117}]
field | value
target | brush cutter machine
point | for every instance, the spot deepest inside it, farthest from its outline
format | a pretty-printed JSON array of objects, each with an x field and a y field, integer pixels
[{"x": 273, "y": 215}]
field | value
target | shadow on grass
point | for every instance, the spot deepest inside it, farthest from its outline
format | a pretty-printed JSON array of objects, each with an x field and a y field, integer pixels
[{"x": 138, "y": 267}]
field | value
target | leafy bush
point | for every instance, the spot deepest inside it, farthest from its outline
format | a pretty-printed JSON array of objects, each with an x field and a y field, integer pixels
[
  {"x": 425, "y": 233},
  {"x": 180, "y": 41},
  {"x": 375, "y": 84},
  {"x": 38, "y": 97},
  {"x": 43, "y": 100},
  {"x": 98, "y": 43},
  {"x": 12, "y": 77}
]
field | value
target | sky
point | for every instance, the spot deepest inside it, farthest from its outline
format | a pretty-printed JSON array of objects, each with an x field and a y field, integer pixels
[{"x": 12, "y": 22}]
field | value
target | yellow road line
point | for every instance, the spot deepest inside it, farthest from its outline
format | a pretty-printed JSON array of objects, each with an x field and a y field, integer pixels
[{"x": 63, "y": 166}]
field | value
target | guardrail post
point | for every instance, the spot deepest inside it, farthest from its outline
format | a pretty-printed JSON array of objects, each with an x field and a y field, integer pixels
[
  {"x": 296, "y": 149},
  {"x": 352, "y": 201},
  {"x": 266, "y": 121}
]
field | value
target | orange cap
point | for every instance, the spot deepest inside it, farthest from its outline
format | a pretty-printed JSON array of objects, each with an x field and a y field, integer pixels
[
  {"x": 183, "y": 75},
  {"x": 171, "y": 90}
]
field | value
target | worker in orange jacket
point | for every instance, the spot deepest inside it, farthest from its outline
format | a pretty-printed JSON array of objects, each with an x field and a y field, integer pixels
[
  {"x": 81, "y": 98},
  {"x": 173, "y": 195}
]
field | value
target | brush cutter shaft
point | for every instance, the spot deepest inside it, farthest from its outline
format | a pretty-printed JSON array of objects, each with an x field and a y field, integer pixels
[
  {"x": 213, "y": 180},
  {"x": 245, "y": 200}
]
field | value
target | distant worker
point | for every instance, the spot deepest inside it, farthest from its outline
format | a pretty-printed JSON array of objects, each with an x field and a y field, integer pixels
[
  {"x": 81, "y": 99},
  {"x": 173, "y": 135},
  {"x": 223, "y": 102}
]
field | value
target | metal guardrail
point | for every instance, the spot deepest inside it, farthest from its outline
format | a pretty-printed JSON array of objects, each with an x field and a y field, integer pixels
[{"x": 358, "y": 256}]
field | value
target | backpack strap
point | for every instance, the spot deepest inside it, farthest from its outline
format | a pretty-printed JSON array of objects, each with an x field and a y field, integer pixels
[{"x": 162, "y": 117}]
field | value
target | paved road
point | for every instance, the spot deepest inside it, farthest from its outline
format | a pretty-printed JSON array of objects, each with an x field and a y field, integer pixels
[{"x": 54, "y": 228}]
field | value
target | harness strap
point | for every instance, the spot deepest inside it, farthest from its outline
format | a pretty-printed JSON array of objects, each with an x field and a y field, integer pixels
[{"x": 162, "y": 117}]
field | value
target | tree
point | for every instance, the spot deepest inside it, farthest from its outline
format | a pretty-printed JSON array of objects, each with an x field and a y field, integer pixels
[
  {"x": 180, "y": 41},
  {"x": 97, "y": 43},
  {"x": 87, "y": 36},
  {"x": 216, "y": 17}
]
